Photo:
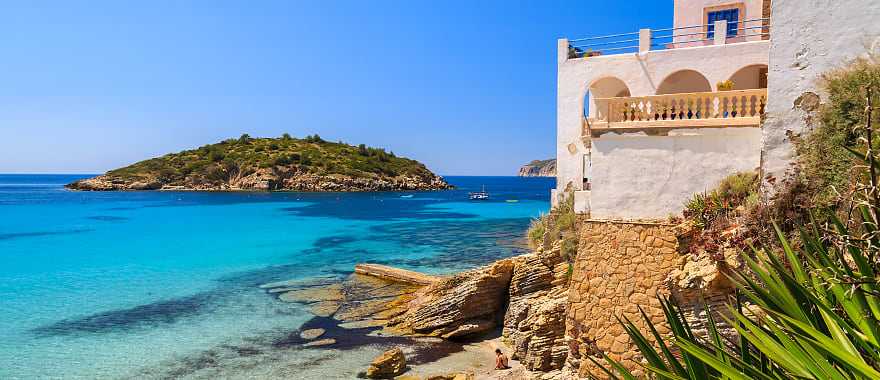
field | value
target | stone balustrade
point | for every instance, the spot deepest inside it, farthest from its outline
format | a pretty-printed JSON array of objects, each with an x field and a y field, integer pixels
[{"x": 698, "y": 109}]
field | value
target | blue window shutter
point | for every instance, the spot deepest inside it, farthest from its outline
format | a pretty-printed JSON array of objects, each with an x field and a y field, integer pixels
[{"x": 732, "y": 17}]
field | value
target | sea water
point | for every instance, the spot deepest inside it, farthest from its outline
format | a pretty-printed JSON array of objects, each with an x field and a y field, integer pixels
[{"x": 166, "y": 284}]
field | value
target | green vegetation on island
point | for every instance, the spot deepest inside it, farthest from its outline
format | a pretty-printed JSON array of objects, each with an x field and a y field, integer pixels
[{"x": 285, "y": 163}]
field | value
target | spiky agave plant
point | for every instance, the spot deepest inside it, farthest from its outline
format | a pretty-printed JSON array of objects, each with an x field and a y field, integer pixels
[{"x": 818, "y": 318}]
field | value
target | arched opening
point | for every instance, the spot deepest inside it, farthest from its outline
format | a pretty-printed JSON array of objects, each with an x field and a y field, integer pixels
[
  {"x": 750, "y": 77},
  {"x": 684, "y": 81},
  {"x": 608, "y": 87}
]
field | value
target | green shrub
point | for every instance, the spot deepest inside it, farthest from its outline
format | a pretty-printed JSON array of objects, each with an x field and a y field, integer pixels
[
  {"x": 569, "y": 247},
  {"x": 736, "y": 190},
  {"x": 536, "y": 231},
  {"x": 216, "y": 156},
  {"x": 558, "y": 225},
  {"x": 826, "y": 165}
]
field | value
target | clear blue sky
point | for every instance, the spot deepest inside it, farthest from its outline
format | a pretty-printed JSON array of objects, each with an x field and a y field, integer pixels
[{"x": 467, "y": 87}]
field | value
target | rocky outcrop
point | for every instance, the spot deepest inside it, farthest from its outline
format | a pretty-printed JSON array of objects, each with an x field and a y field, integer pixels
[
  {"x": 534, "y": 324},
  {"x": 358, "y": 302},
  {"x": 539, "y": 168},
  {"x": 527, "y": 294},
  {"x": 465, "y": 304},
  {"x": 276, "y": 179},
  {"x": 388, "y": 365}
]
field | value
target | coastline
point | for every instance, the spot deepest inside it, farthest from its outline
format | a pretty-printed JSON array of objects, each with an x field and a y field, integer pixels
[
  {"x": 480, "y": 309},
  {"x": 338, "y": 330}
]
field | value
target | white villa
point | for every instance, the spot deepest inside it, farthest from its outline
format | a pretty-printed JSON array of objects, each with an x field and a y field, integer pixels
[{"x": 642, "y": 124}]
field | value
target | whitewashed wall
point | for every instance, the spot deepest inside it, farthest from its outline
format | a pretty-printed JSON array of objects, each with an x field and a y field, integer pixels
[
  {"x": 642, "y": 74},
  {"x": 636, "y": 176},
  {"x": 808, "y": 38}
]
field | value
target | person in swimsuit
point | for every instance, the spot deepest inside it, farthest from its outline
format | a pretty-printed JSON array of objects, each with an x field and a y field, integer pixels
[{"x": 501, "y": 361}]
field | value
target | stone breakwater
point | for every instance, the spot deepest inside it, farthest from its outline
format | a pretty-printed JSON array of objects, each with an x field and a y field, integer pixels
[{"x": 267, "y": 180}]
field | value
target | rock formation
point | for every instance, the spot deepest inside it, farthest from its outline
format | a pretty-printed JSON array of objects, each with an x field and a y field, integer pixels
[
  {"x": 465, "y": 304},
  {"x": 266, "y": 180},
  {"x": 388, "y": 365},
  {"x": 527, "y": 294},
  {"x": 534, "y": 324},
  {"x": 539, "y": 168}
]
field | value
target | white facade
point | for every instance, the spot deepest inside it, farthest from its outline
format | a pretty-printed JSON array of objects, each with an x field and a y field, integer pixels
[
  {"x": 649, "y": 171},
  {"x": 636, "y": 176}
]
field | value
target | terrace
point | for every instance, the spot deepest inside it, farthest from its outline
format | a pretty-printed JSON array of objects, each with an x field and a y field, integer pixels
[{"x": 670, "y": 72}]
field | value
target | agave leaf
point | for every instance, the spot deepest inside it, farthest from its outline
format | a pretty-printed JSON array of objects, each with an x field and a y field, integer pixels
[
  {"x": 696, "y": 369},
  {"x": 824, "y": 343},
  {"x": 838, "y": 334},
  {"x": 625, "y": 373},
  {"x": 709, "y": 359},
  {"x": 645, "y": 347},
  {"x": 769, "y": 344},
  {"x": 670, "y": 358},
  {"x": 793, "y": 258}
]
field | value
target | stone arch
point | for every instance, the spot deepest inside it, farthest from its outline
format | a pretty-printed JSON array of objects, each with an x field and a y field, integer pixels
[
  {"x": 605, "y": 87},
  {"x": 750, "y": 77},
  {"x": 684, "y": 81}
]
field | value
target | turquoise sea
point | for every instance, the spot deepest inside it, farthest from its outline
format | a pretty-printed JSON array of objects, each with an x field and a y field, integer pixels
[{"x": 165, "y": 284}]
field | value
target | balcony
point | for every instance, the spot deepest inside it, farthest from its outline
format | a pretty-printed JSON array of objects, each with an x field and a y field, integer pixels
[
  {"x": 717, "y": 33},
  {"x": 742, "y": 108}
]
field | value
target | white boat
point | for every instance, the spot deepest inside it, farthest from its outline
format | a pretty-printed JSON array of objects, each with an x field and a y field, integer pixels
[{"x": 479, "y": 195}]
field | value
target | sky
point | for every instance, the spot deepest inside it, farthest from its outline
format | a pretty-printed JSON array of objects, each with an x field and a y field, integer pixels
[{"x": 466, "y": 87}]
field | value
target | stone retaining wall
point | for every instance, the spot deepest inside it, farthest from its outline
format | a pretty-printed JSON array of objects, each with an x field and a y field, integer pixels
[{"x": 620, "y": 265}]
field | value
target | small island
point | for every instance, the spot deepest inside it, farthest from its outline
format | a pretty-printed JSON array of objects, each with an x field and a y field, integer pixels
[{"x": 271, "y": 164}]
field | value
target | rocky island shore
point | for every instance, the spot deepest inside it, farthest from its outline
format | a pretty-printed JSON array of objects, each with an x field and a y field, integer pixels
[{"x": 271, "y": 164}]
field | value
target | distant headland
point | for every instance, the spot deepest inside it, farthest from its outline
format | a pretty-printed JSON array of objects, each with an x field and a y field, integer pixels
[
  {"x": 539, "y": 168},
  {"x": 271, "y": 164}
]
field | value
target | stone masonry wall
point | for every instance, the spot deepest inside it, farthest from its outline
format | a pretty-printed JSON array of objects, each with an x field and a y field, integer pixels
[{"x": 620, "y": 265}]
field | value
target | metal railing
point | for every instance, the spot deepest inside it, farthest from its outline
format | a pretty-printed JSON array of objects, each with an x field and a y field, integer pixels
[
  {"x": 668, "y": 38},
  {"x": 699, "y": 35},
  {"x": 618, "y": 43}
]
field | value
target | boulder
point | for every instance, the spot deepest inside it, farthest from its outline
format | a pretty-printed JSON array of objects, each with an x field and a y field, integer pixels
[
  {"x": 470, "y": 327},
  {"x": 388, "y": 365},
  {"x": 311, "y": 334}
]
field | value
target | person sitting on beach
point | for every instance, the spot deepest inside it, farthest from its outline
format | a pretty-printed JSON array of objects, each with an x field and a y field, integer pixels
[{"x": 500, "y": 360}]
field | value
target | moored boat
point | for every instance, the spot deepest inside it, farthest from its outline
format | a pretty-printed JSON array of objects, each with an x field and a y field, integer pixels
[{"x": 481, "y": 195}]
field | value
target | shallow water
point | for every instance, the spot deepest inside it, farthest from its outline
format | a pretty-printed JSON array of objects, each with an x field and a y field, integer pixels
[{"x": 165, "y": 284}]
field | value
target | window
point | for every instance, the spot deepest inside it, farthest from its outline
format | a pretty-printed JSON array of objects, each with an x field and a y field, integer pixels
[{"x": 732, "y": 17}]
